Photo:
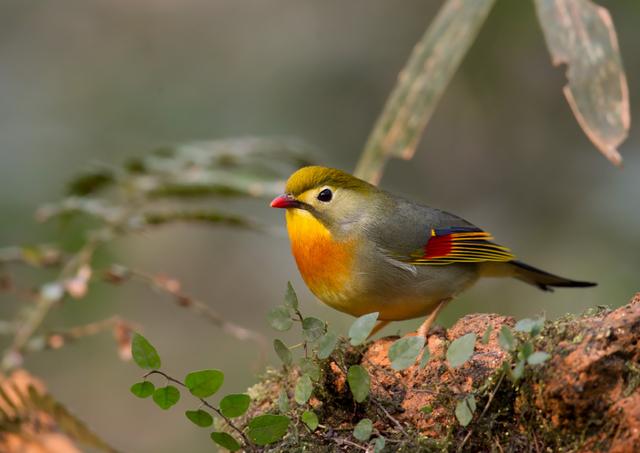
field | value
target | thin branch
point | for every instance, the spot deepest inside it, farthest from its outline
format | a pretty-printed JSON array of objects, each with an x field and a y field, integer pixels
[
  {"x": 390, "y": 417},
  {"x": 54, "y": 340},
  {"x": 171, "y": 287},
  {"x": 341, "y": 442},
  {"x": 484, "y": 411}
]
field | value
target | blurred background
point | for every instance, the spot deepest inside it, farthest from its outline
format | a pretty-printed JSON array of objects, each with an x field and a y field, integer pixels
[{"x": 87, "y": 81}]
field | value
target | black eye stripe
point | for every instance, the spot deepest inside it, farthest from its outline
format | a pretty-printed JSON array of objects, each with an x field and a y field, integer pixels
[{"x": 325, "y": 195}]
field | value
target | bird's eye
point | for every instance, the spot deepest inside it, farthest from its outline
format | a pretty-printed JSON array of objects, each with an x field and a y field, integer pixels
[{"x": 325, "y": 195}]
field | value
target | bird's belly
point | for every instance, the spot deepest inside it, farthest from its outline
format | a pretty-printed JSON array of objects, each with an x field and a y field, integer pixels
[{"x": 398, "y": 295}]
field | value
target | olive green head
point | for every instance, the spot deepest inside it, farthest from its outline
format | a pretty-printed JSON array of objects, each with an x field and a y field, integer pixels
[{"x": 333, "y": 196}]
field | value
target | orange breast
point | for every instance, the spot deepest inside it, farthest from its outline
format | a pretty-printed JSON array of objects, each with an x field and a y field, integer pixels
[{"x": 325, "y": 264}]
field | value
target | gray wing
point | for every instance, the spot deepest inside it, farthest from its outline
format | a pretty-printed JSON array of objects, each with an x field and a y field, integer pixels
[{"x": 409, "y": 226}]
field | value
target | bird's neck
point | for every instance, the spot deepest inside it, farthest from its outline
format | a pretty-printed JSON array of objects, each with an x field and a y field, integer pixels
[{"x": 324, "y": 262}]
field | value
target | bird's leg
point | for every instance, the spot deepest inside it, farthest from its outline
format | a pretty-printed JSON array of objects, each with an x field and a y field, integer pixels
[
  {"x": 423, "y": 330},
  {"x": 379, "y": 325}
]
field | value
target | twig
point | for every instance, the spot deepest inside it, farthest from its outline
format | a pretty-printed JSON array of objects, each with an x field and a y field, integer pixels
[
  {"x": 56, "y": 340},
  {"x": 172, "y": 288},
  {"x": 246, "y": 440},
  {"x": 390, "y": 417},
  {"x": 484, "y": 411},
  {"x": 341, "y": 442},
  {"x": 36, "y": 315},
  {"x": 304, "y": 344}
]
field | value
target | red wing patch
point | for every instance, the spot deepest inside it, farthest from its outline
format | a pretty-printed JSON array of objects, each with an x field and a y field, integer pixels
[{"x": 460, "y": 245}]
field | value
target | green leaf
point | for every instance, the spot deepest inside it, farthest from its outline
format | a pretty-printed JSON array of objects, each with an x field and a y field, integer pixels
[
  {"x": 309, "y": 367},
  {"x": 310, "y": 419},
  {"x": 378, "y": 445},
  {"x": 165, "y": 397},
  {"x": 326, "y": 344},
  {"x": 487, "y": 334},
  {"x": 363, "y": 429},
  {"x": 532, "y": 326},
  {"x": 235, "y": 405},
  {"x": 280, "y": 318},
  {"x": 426, "y": 409},
  {"x": 200, "y": 418},
  {"x": 506, "y": 339},
  {"x": 361, "y": 328},
  {"x": 359, "y": 382},
  {"x": 204, "y": 383},
  {"x": 526, "y": 349},
  {"x": 266, "y": 429},
  {"x": 538, "y": 358},
  {"x": 283, "y": 352},
  {"x": 283, "y": 401},
  {"x": 404, "y": 352},
  {"x": 143, "y": 389},
  {"x": 426, "y": 356},
  {"x": 290, "y": 297},
  {"x": 461, "y": 349},
  {"x": 225, "y": 440},
  {"x": 465, "y": 409},
  {"x": 312, "y": 328},
  {"x": 144, "y": 354},
  {"x": 303, "y": 390},
  {"x": 517, "y": 371}
]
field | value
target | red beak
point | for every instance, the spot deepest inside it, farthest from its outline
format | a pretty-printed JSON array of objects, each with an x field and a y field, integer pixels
[{"x": 285, "y": 201}]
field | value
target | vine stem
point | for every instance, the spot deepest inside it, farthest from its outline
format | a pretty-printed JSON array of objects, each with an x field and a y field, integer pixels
[
  {"x": 484, "y": 411},
  {"x": 245, "y": 439}
]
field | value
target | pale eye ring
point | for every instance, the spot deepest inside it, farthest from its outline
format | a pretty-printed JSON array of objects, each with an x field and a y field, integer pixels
[{"x": 325, "y": 195}]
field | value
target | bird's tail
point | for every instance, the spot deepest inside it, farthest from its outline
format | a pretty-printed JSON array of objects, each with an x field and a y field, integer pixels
[{"x": 543, "y": 280}]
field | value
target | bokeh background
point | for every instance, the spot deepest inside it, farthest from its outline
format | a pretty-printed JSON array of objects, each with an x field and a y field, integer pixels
[{"x": 86, "y": 81}]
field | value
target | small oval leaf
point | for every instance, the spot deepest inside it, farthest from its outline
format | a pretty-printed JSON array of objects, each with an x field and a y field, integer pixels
[
  {"x": 310, "y": 419},
  {"x": 204, "y": 383},
  {"x": 284, "y": 353},
  {"x": 279, "y": 318},
  {"x": 465, "y": 409},
  {"x": 363, "y": 429},
  {"x": 283, "y": 401},
  {"x": 359, "y": 382},
  {"x": 487, "y": 334},
  {"x": 266, "y": 429},
  {"x": 326, "y": 344},
  {"x": 290, "y": 297},
  {"x": 309, "y": 367},
  {"x": 426, "y": 356},
  {"x": 303, "y": 390},
  {"x": 165, "y": 397},
  {"x": 225, "y": 440},
  {"x": 143, "y": 389},
  {"x": 538, "y": 358},
  {"x": 404, "y": 352},
  {"x": 312, "y": 328},
  {"x": 461, "y": 349},
  {"x": 361, "y": 328},
  {"x": 200, "y": 418},
  {"x": 235, "y": 405},
  {"x": 144, "y": 354},
  {"x": 506, "y": 339}
]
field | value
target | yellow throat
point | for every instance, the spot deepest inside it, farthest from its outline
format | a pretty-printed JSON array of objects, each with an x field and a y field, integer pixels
[{"x": 324, "y": 263}]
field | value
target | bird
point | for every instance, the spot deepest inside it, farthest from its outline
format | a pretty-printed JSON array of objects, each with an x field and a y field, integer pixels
[{"x": 361, "y": 249}]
